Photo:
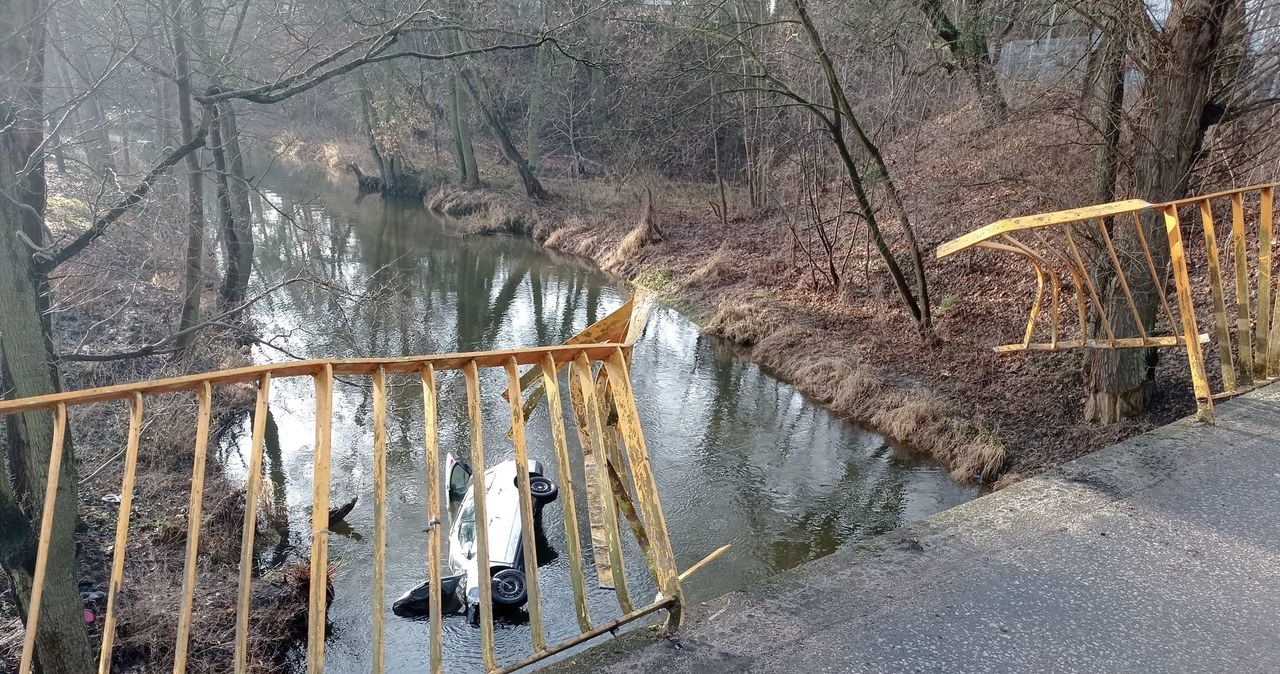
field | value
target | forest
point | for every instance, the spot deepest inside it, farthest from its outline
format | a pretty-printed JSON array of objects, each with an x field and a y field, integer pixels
[{"x": 779, "y": 170}]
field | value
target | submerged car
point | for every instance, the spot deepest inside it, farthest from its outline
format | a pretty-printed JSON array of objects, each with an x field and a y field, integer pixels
[{"x": 506, "y": 543}]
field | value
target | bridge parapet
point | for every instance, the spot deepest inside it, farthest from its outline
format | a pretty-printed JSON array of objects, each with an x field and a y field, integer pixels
[
  {"x": 619, "y": 482},
  {"x": 1106, "y": 270}
]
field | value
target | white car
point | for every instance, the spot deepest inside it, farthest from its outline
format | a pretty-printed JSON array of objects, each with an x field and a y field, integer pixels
[{"x": 506, "y": 545}]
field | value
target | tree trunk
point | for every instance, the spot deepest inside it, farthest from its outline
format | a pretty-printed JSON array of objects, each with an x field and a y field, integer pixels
[
  {"x": 1111, "y": 81},
  {"x": 1168, "y": 137},
  {"x": 918, "y": 304},
  {"x": 240, "y": 210},
  {"x": 534, "y": 120},
  {"x": 235, "y": 280},
  {"x": 191, "y": 279},
  {"x": 27, "y": 357},
  {"x": 451, "y": 117},
  {"x": 462, "y": 133},
  {"x": 369, "y": 117},
  {"x": 968, "y": 46},
  {"x": 479, "y": 92}
]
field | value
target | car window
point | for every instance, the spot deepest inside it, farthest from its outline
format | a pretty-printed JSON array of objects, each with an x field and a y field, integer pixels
[{"x": 467, "y": 524}]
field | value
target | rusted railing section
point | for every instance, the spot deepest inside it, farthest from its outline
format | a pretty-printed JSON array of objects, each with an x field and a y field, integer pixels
[
  {"x": 597, "y": 363},
  {"x": 1087, "y": 256}
]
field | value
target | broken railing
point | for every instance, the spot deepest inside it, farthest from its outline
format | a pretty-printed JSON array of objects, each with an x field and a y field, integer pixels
[
  {"x": 619, "y": 482},
  {"x": 1072, "y": 251}
]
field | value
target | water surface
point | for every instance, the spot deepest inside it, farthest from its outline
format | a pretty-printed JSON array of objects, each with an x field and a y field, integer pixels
[{"x": 740, "y": 457}]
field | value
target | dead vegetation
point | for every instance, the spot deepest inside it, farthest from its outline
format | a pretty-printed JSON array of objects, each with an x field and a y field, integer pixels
[{"x": 126, "y": 277}]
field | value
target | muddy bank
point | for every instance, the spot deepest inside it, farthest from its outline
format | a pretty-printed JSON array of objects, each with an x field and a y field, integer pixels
[{"x": 120, "y": 294}]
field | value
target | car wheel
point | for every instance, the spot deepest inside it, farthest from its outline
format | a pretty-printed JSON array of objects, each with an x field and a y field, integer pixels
[
  {"x": 509, "y": 588},
  {"x": 542, "y": 489}
]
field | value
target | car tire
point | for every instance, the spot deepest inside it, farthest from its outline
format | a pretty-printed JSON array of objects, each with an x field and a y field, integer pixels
[
  {"x": 542, "y": 489},
  {"x": 509, "y": 588}
]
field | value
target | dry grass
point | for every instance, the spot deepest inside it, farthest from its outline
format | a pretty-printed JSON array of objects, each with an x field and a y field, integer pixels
[
  {"x": 719, "y": 267},
  {"x": 458, "y": 202}
]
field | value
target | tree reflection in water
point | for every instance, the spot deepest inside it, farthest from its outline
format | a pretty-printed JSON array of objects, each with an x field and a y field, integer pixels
[{"x": 740, "y": 457}]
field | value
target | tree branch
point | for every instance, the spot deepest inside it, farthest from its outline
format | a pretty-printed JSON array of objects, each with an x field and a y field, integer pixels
[
  {"x": 276, "y": 92},
  {"x": 102, "y": 222},
  {"x": 154, "y": 349}
]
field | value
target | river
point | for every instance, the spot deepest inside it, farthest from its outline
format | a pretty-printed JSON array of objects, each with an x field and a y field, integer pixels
[{"x": 740, "y": 457}]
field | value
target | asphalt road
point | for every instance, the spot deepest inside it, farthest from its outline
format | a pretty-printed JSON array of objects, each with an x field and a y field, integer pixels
[{"x": 1159, "y": 554}]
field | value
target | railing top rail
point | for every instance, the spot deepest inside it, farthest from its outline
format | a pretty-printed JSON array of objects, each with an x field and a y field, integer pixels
[
  {"x": 299, "y": 368},
  {"x": 1036, "y": 221},
  {"x": 1216, "y": 195},
  {"x": 1073, "y": 215}
]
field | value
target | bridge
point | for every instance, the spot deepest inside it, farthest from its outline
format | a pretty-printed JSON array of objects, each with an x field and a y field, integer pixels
[{"x": 1158, "y": 553}]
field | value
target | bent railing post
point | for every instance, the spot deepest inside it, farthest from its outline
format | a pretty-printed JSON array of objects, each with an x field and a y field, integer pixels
[{"x": 1182, "y": 281}]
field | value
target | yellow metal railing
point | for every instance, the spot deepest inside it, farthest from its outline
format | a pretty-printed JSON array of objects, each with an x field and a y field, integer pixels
[
  {"x": 1107, "y": 242},
  {"x": 597, "y": 364}
]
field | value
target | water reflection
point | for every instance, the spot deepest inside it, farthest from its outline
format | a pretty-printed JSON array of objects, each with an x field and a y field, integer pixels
[{"x": 740, "y": 457}]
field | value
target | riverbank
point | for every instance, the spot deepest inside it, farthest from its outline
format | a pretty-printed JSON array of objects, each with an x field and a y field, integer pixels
[
  {"x": 121, "y": 293},
  {"x": 994, "y": 419},
  {"x": 1154, "y": 555}
]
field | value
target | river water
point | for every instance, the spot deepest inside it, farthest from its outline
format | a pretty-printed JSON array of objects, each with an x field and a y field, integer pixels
[{"x": 740, "y": 457}]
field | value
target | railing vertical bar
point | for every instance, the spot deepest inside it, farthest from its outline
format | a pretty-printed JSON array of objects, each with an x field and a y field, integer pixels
[
  {"x": 1219, "y": 303},
  {"x": 1262, "y": 340},
  {"x": 627, "y": 507},
  {"x": 1055, "y": 309},
  {"x": 122, "y": 533},
  {"x": 1158, "y": 282},
  {"x": 379, "y": 590},
  {"x": 204, "y": 400},
  {"x": 1266, "y": 206},
  {"x": 609, "y": 510},
  {"x": 1195, "y": 359},
  {"x": 551, "y": 385},
  {"x": 609, "y": 439},
  {"x": 253, "y": 487},
  {"x": 46, "y": 535},
  {"x": 1124, "y": 282},
  {"x": 321, "y": 462},
  {"x": 514, "y": 399},
  {"x": 1244, "y": 315},
  {"x": 646, "y": 485},
  {"x": 591, "y": 482},
  {"x": 1088, "y": 283},
  {"x": 434, "y": 517},
  {"x": 1035, "y": 305},
  {"x": 472, "y": 376},
  {"x": 1069, "y": 265}
]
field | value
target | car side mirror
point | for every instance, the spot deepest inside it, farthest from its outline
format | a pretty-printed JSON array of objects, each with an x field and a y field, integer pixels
[{"x": 459, "y": 478}]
